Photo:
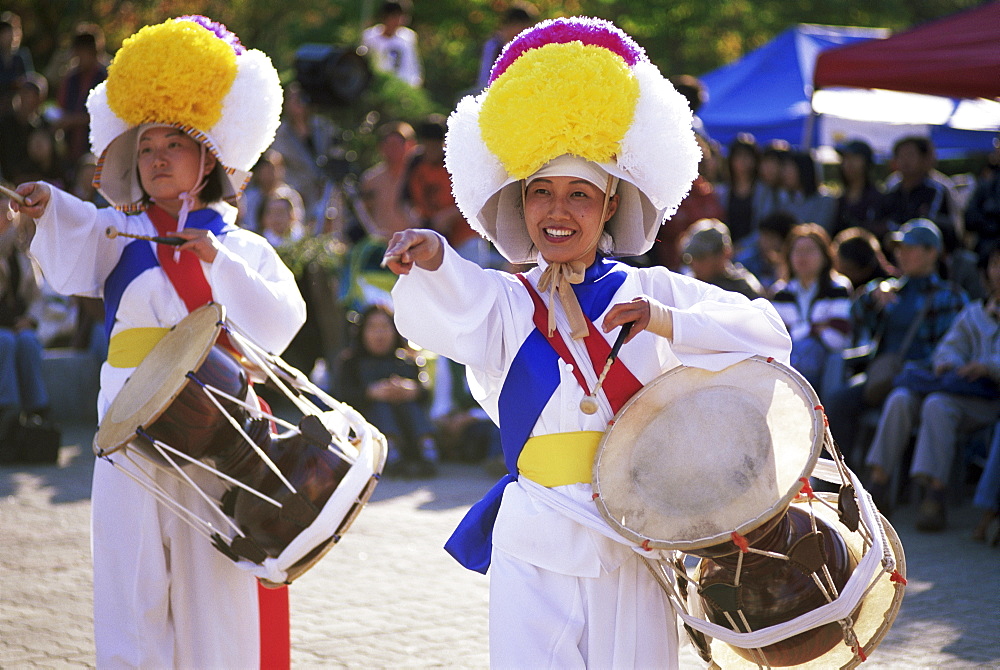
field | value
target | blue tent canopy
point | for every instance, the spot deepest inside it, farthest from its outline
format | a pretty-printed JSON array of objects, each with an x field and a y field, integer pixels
[{"x": 768, "y": 93}]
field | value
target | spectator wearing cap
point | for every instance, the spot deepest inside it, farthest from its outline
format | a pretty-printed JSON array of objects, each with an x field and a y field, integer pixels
[
  {"x": 885, "y": 310},
  {"x": 708, "y": 251},
  {"x": 858, "y": 203},
  {"x": 969, "y": 352}
]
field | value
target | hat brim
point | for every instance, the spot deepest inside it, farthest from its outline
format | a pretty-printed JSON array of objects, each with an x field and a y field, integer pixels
[
  {"x": 117, "y": 174},
  {"x": 502, "y": 221}
]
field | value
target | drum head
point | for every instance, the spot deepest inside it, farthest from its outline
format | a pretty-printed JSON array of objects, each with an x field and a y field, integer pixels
[
  {"x": 696, "y": 455},
  {"x": 160, "y": 378}
]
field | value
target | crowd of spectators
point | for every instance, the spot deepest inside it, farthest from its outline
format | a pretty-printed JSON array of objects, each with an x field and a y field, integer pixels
[{"x": 871, "y": 254}]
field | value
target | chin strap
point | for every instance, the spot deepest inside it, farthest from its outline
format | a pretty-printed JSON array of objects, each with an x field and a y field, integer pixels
[{"x": 189, "y": 199}]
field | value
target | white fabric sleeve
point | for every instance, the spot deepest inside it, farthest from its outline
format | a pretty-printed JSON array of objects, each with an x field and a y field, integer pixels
[
  {"x": 70, "y": 246},
  {"x": 713, "y": 328},
  {"x": 456, "y": 311},
  {"x": 258, "y": 290}
]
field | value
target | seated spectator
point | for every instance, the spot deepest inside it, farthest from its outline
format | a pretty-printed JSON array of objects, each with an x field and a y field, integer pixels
[
  {"x": 884, "y": 313},
  {"x": 307, "y": 143},
  {"x": 969, "y": 352},
  {"x": 769, "y": 173},
  {"x": 383, "y": 378},
  {"x": 742, "y": 195},
  {"x": 17, "y": 124},
  {"x": 708, "y": 252},
  {"x": 428, "y": 187},
  {"x": 382, "y": 185},
  {"x": 858, "y": 256},
  {"x": 392, "y": 46},
  {"x": 804, "y": 197},
  {"x": 763, "y": 258},
  {"x": 22, "y": 389},
  {"x": 982, "y": 214},
  {"x": 268, "y": 180},
  {"x": 987, "y": 496},
  {"x": 15, "y": 60},
  {"x": 700, "y": 203},
  {"x": 858, "y": 203},
  {"x": 279, "y": 222},
  {"x": 813, "y": 301},
  {"x": 911, "y": 193},
  {"x": 464, "y": 431},
  {"x": 42, "y": 161}
]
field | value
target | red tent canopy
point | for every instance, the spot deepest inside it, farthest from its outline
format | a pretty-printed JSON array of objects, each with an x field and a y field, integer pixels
[{"x": 957, "y": 57}]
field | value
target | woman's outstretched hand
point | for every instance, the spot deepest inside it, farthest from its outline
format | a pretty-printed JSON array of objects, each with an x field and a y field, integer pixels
[
  {"x": 36, "y": 196},
  {"x": 414, "y": 246}
]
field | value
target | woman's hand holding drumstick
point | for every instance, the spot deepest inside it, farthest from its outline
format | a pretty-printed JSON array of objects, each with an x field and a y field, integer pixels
[
  {"x": 415, "y": 246},
  {"x": 30, "y": 198}
]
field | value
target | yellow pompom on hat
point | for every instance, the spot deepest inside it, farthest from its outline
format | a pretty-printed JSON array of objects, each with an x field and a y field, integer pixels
[
  {"x": 189, "y": 73},
  {"x": 572, "y": 87}
]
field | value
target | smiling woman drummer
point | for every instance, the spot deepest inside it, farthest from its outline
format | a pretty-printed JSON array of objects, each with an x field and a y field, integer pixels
[
  {"x": 573, "y": 155},
  {"x": 185, "y": 112}
]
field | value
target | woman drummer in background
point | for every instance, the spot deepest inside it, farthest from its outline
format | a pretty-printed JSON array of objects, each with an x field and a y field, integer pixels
[
  {"x": 567, "y": 187},
  {"x": 163, "y": 596}
]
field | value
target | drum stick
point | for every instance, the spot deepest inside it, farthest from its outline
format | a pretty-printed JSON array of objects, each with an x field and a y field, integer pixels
[
  {"x": 13, "y": 195},
  {"x": 111, "y": 232},
  {"x": 386, "y": 259},
  {"x": 588, "y": 405}
]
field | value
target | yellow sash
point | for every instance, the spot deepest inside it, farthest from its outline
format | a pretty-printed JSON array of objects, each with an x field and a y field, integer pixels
[
  {"x": 560, "y": 458},
  {"x": 127, "y": 348}
]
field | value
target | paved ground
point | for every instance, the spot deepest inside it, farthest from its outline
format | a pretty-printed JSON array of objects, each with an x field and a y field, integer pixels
[{"x": 388, "y": 596}]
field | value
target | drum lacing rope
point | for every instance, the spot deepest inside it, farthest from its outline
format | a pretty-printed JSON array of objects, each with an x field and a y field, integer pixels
[
  {"x": 851, "y": 639},
  {"x": 210, "y": 394},
  {"x": 163, "y": 497}
]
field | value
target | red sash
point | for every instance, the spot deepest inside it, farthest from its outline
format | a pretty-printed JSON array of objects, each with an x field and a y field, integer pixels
[
  {"x": 619, "y": 385},
  {"x": 185, "y": 271}
]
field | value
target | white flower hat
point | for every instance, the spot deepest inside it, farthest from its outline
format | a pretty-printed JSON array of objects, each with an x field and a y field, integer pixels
[
  {"x": 189, "y": 73},
  {"x": 577, "y": 86}
]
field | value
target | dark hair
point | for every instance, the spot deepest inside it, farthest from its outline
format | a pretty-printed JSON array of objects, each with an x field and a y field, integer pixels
[
  {"x": 6, "y": 25},
  {"x": 990, "y": 249},
  {"x": 861, "y": 247},
  {"x": 366, "y": 316},
  {"x": 520, "y": 13},
  {"x": 816, "y": 233},
  {"x": 400, "y": 128},
  {"x": 780, "y": 223},
  {"x": 433, "y": 127},
  {"x": 776, "y": 149},
  {"x": 921, "y": 144},
  {"x": 806, "y": 167},
  {"x": 692, "y": 89},
  {"x": 88, "y": 36},
  {"x": 394, "y": 7},
  {"x": 743, "y": 143}
]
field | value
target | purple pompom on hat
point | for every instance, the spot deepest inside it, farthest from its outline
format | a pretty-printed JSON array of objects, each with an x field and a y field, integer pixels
[{"x": 586, "y": 30}]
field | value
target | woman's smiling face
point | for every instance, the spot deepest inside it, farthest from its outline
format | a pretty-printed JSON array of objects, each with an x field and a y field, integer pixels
[{"x": 563, "y": 216}]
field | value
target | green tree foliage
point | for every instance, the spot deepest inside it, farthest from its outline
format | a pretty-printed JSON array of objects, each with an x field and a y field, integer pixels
[{"x": 680, "y": 36}]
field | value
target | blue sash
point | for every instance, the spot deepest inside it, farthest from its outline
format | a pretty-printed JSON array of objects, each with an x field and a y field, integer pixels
[{"x": 531, "y": 380}]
